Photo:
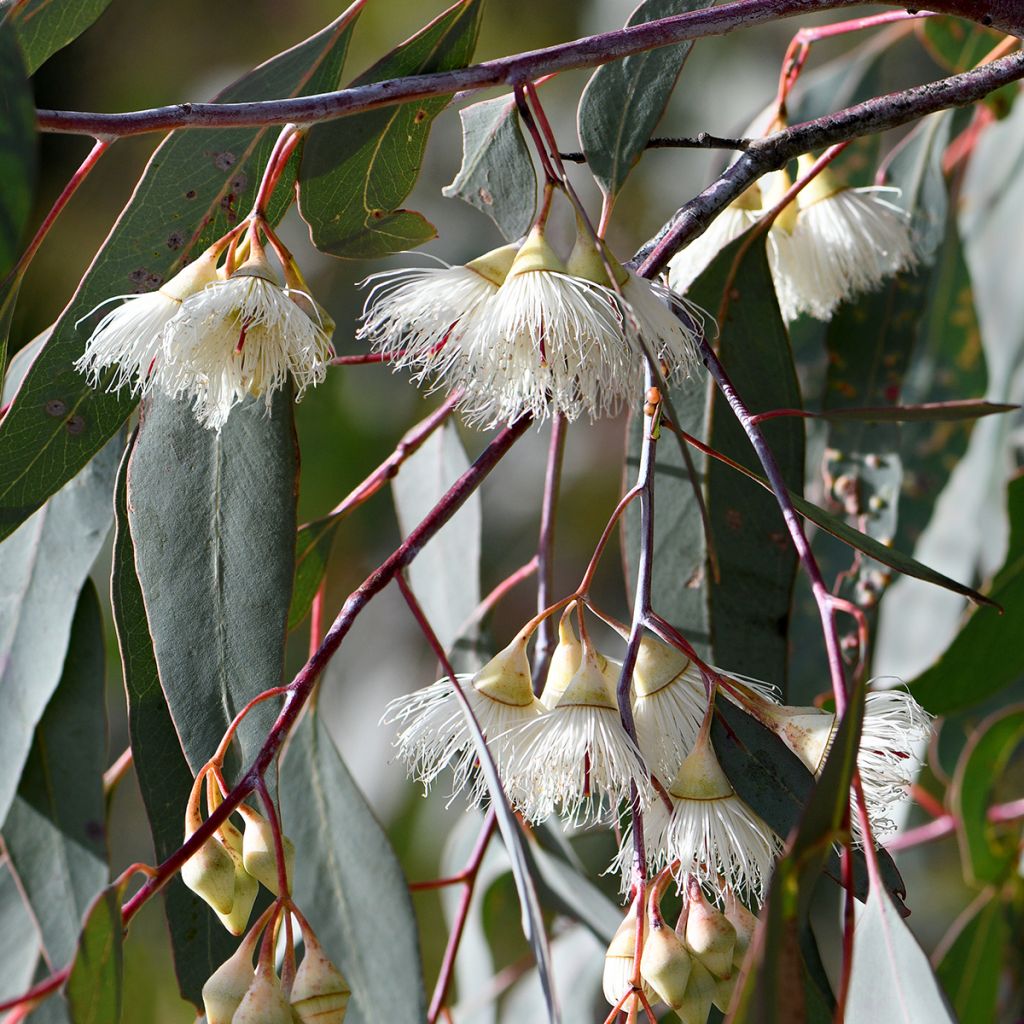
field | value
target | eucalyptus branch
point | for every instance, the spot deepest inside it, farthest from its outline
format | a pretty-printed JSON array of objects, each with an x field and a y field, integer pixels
[
  {"x": 1005, "y": 15},
  {"x": 702, "y": 140},
  {"x": 546, "y": 548},
  {"x": 772, "y": 152}
]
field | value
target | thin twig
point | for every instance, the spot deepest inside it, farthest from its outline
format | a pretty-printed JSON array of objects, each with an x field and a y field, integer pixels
[{"x": 702, "y": 140}]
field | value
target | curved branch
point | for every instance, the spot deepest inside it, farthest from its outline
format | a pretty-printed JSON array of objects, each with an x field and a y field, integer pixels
[
  {"x": 773, "y": 151},
  {"x": 1005, "y": 15}
]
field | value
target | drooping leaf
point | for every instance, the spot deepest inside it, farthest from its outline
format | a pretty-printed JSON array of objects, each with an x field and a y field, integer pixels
[
  {"x": 196, "y": 186},
  {"x": 972, "y": 964},
  {"x": 446, "y": 574},
  {"x": 17, "y": 151},
  {"x": 220, "y": 508},
  {"x": 497, "y": 175},
  {"x": 891, "y": 978},
  {"x": 740, "y": 618},
  {"x": 95, "y": 987},
  {"x": 313, "y": 544},
  {"x": 199, "y": 941},
  {"x": 951, "y": 411},
  {"x": 45, "y": 26},
  {"x": 19, "y": 948},
  {"x": 624, "y": 99},
  {"x": 987, "y": 851},
  {"x": 985, "y": 656},
  {"x": 42, "y": 567},
  {"x": 55, "y": 833},
  {"x": 357, "y": 170},
  {"x": 348, "y": 882}
]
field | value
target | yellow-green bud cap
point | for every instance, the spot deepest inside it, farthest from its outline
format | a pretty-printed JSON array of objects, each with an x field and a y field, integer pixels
[
  {"x": 618, "y": 962},
  {"x": 320, "y": 994},
  {"x": 657, "y": 665},
  {"x": 258, "y": 851},
  {"x": 265, "y": 1001},
  {"x": 506, "y": 677},
  {"x": 594, "y": 683},
  {"x": 665, "y": 964},
  {"x": 565, "y": 661},
  {"x": 210, "y": 874},
  {"x": 192, "y": 278},
  {"x": 588, "y": 259},
  {"x": 226, "y": 987},
  {"x": 778, "y": 185},
  {"x": 700, "y": 776},
  {"x": 700, "y": 994},
  {"x": 709, "y": 935},
  {"x": 806, "y": 731},
  {"x": 246, "y": 887},
  {"x": 822, "y": 186},
  {"x": 494, "y": 266},
  {"x": 536, "y": 254}
]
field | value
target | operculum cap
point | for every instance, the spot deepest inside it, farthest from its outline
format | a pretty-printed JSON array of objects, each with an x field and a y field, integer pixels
[
  {"x": 593, "y": 685},
  {"x": 744, "y": 922},
  {"x": 320, "y": 993},
  {"x": 536, "y": 254},
  {"x": 192, "y": 278},
  {"x": 246, "y": 888},
  {"x": 565, "y": 661},
  {"x": 700, "y": 776},
  {"x": 823, "y": 185},
  {"x": 226, "y": 987},
  {"x": 506, "y": 677},
  {"x": 210, "y": 874},
  {"x": 494, "y": 266},
  {"x": 618, "y": 962},
  {"x": 701, "y": 990},
  {"x": 807, "y": 731},
  {"x": 259, "y": 853},
  {"x": 778, "y": 184},
  {"x": 709, "y": 935},
  {"x": 265, "y": 1001}
]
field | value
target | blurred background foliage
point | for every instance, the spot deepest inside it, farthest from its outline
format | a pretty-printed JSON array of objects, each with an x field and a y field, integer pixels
[{"x": 148, "y": 54}]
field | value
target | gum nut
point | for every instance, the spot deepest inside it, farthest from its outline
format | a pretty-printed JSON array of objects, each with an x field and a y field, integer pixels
[
  {"x": 320, "y": 993},
  {"x": 226, "y": 987},
  {"x": 700, "y": 994},
  {"x": 665, "y": 965},
  {"x": 258, "y": 853},
  {"x": 264, "y": 1002},
  {"x": 710, "y": 937},
  {"x": 210, "y": 874}
]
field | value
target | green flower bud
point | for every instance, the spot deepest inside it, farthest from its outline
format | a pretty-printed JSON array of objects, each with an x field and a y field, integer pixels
[
  {"x": 665, "y": 964},
  {"x": 258, "y": 852},
  {"x": 264, "y": 1002},
  {"x": 210, "y": 874},
  {"x": 246, "y": 888},
  {"x": 320, "y": 993},
  {"x": 226, "y": 987},
  {"x": 709, "y": 936},
  {"x": 700, "y": 994}
]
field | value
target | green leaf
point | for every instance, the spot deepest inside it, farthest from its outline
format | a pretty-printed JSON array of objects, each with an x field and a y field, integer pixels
[
  {"x": 46, "y": 26},
  {"x": 17, "y": 151},
  {"x": 986, "y": 655},
  {"x": 497, "y": 175},
  {"x": 348, "y": 881},
  {"x": 95, "y": 987},
  {"x": 19, "y": 948},
  {"x": 446, "y": 574},
  {"x": 42, "y": 568},
  {"x": 313, "y": 544},
  {"x": 957, "y": 46},
  {"x": 357, "y": 170},
  {"x": 9, "y": 289},
  {"x": 891, "y": 980},
  {"x": 220, "y": 508},
  {"x": 951, "y": 411},
  {"x": 55, "y": 831},
  {"x": 988, "y": 851},
  {"x": 741, "y": 618},
  {"x": 199, "y": 941},
  {"x": 196, "y": 186},
  {"x": 971, "y": 967},
  {"x": 624, "y": 99}
]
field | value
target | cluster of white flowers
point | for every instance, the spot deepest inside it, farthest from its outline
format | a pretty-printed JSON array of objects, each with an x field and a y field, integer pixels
[
  {"x": 212, "y": 337},
  {"x": 519, "y": 330},
  {"x": 833, "y": 243},
  {"x": 567, "y": 753}
]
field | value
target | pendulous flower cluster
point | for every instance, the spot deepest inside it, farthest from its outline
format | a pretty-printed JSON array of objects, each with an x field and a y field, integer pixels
[
  {"x": 213, "y": 335},
  {"x": 832, "y": 244},
  {"x": 520, "y": 330},
  {"x": 566, "y": 752}
]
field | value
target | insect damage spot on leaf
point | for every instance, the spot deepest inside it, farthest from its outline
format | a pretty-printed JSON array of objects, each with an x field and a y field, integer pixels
[
  {"x": 190, "y": 194},
  {"x": 55, "y": 407},
  {"x": 75, "y": 425},
  {"x": 419, "y": 116},
  {"x": 175, "y": 240},
  {"x": 224, "y": 161},
  {"x": 485, "y": 197}
]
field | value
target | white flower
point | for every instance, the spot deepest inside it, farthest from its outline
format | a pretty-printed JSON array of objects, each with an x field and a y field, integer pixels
[
  {"x": 895, "y": 730},
  {"x": 689, "y": 263},
  {"x": 130, "y": 337},
  {"x": 243, "y": 335},
  {"x": 526, "y": 334},
  {"x": 577, "y": 757},
  {"x": 845, "y": 241},
  {"x": 713, "y": 834},
  {"x": 435, "y": 733},
  {"x": 416, "y": 316}
]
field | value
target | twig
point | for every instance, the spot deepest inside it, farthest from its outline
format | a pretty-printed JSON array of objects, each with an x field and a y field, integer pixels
[
  {"x": 702, "y": 140},
  {"x": 546, "y": 548}
]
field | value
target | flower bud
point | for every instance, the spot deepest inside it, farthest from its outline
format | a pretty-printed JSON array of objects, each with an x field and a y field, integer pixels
[
  {"x": 246, "y": 888},
  {"x": 258, "y": 850},
  {"x": 744, "y": 922},
  {"x": 226, "y": 987},
  {"x": 506, "y": 677},
  {"x": 618, "y": 962},
  {"x": 724, "y": 988},
  {"x": 565, "y": 661},
  {"x": 210, "y": 874},
  {"x": 264, "y": 1002},
  {"x": 494, "y": 266},
  {"x": 665, "y": 964},
  {"x": 700, "y": 994},
  {"x": 536, "y": 254},
  {"x": 709, "y": 936},
  {"x": 320, "y": 994}
]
